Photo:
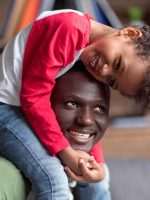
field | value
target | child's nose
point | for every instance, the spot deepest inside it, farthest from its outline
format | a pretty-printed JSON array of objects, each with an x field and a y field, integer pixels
[{"x": 106, "y": 70}]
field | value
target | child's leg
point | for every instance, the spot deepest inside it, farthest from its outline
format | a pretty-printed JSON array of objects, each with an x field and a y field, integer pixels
[
  {"x": 95, "y": 191},
  {"x": 20, "y": 145}
]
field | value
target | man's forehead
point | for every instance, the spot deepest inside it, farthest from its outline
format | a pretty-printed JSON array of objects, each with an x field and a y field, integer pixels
[{"x": 74, "y": 79}]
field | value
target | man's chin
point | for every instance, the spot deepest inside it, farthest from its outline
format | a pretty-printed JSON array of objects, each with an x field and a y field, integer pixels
[{"x": 80, "y": 147}]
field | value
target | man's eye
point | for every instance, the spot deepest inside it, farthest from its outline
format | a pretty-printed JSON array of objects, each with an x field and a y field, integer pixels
[
  {"x": 71, "y": 104},
  {"x": 100, "y": 109},
  {"x": 117, "y": 65}
]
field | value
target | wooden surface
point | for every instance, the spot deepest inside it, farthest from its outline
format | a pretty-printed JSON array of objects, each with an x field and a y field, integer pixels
[{"x": 127, "y": 143}]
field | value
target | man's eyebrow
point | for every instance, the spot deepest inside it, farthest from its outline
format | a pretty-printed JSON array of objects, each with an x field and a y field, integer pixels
[
  {"x": 73, "y": 96},
  {"x": 78, "y": 98}
]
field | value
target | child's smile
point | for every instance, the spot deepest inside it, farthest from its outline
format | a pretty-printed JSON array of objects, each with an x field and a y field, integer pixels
[{"x": 113, "y": 60}]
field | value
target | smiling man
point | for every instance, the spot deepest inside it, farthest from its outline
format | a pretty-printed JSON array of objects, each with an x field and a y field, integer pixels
[{"x": 81, "y": 108}]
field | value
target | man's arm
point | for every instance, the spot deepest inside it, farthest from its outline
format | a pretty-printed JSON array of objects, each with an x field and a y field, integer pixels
[{"x": 89, "y": 175}]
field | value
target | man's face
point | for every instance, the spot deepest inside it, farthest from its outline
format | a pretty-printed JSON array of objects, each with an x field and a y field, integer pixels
[
  {"x": 113, "y": 60},
  {"x": 81, "y": 105}
]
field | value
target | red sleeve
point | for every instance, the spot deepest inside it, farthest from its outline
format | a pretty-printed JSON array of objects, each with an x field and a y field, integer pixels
[
  {"x": 97, "y": 152},
  {"x": 51, "y": 44}
]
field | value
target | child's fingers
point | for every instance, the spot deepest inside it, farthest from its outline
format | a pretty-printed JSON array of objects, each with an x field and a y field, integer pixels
[
  {"x": 91, "y": 158},
  {"x": 89, "y": 163},
  {"x": 72, "y": 175},
  {"x": 69, "y": 172},
  {"x": 83, "y": 166},
  {"x": 88, "y": 174}
]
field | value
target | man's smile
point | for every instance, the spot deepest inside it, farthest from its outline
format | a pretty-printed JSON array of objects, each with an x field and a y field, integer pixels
[{"x": 81, "y": 137}]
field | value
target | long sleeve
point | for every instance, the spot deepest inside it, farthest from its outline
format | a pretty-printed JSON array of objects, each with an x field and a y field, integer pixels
[
  {"x": 52, "y": 44},
  {"x": 97, "y": 152}
]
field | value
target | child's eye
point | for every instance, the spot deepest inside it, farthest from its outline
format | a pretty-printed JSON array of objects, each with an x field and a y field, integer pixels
[
  {"x": 118, "y": 64},
  {"x": 111, "y": 82}
]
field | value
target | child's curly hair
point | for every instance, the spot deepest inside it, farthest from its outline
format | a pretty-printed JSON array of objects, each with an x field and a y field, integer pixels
[
  {"x": 142, "y": 45},
  {"x": 143, "y": 96}
]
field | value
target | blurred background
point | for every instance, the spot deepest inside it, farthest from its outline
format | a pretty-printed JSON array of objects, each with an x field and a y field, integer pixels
[{"x": 127, "y": 141}]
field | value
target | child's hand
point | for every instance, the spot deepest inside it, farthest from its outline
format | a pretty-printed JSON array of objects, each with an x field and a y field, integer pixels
[
  {"x": 70, "y": 158},
  {"x": 89, "y": 175}
]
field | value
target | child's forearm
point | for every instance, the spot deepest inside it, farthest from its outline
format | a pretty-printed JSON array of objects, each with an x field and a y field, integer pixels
[{"x": 71, "y": 157}]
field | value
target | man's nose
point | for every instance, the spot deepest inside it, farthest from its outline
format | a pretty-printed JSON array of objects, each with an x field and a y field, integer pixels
[{"x": 85, "y": 117}]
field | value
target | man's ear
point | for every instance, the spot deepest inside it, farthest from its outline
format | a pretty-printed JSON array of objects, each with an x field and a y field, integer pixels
[{"x": 130, "y": 32}]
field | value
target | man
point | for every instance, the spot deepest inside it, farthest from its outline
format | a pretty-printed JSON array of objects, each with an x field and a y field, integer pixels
[{"x": 81, "y": 110}]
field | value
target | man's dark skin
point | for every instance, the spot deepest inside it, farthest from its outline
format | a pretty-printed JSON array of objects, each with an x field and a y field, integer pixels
[
  {"x": 76, "y": 109},
  {"x": 81, "y": 106}
]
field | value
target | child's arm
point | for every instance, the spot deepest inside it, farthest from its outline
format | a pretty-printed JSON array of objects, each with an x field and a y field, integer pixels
[
  {"x": 53, "y": 44},
  {"x": 94, "y": 170},
  {"x": 71, "y": 157}
]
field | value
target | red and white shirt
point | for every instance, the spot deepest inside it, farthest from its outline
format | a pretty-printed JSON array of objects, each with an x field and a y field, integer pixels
[{"x": 32, "y": 61}]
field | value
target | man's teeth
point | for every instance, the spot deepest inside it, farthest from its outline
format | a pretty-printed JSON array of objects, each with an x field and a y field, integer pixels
[
  {"x": 80, "y": 135},
  {"x": 94, "y": 61}
]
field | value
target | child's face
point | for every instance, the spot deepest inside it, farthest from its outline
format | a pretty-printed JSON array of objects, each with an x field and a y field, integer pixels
[
  {"x": 112, "y": 59},
  {"x": 81, "y": 107}
]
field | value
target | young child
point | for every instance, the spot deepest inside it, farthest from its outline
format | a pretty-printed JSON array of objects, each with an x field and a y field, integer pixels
[
  {"x": 45, "y": 50},
  {"x": 121, "y": 59},
  {"x": 82, "y": 113}
]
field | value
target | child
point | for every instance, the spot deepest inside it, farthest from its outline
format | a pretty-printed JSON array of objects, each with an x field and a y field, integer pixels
[
  {"x": 122, "y": 61},
  {"x": 81, "y": 110},
  {"x": 45, "y": 50}
]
